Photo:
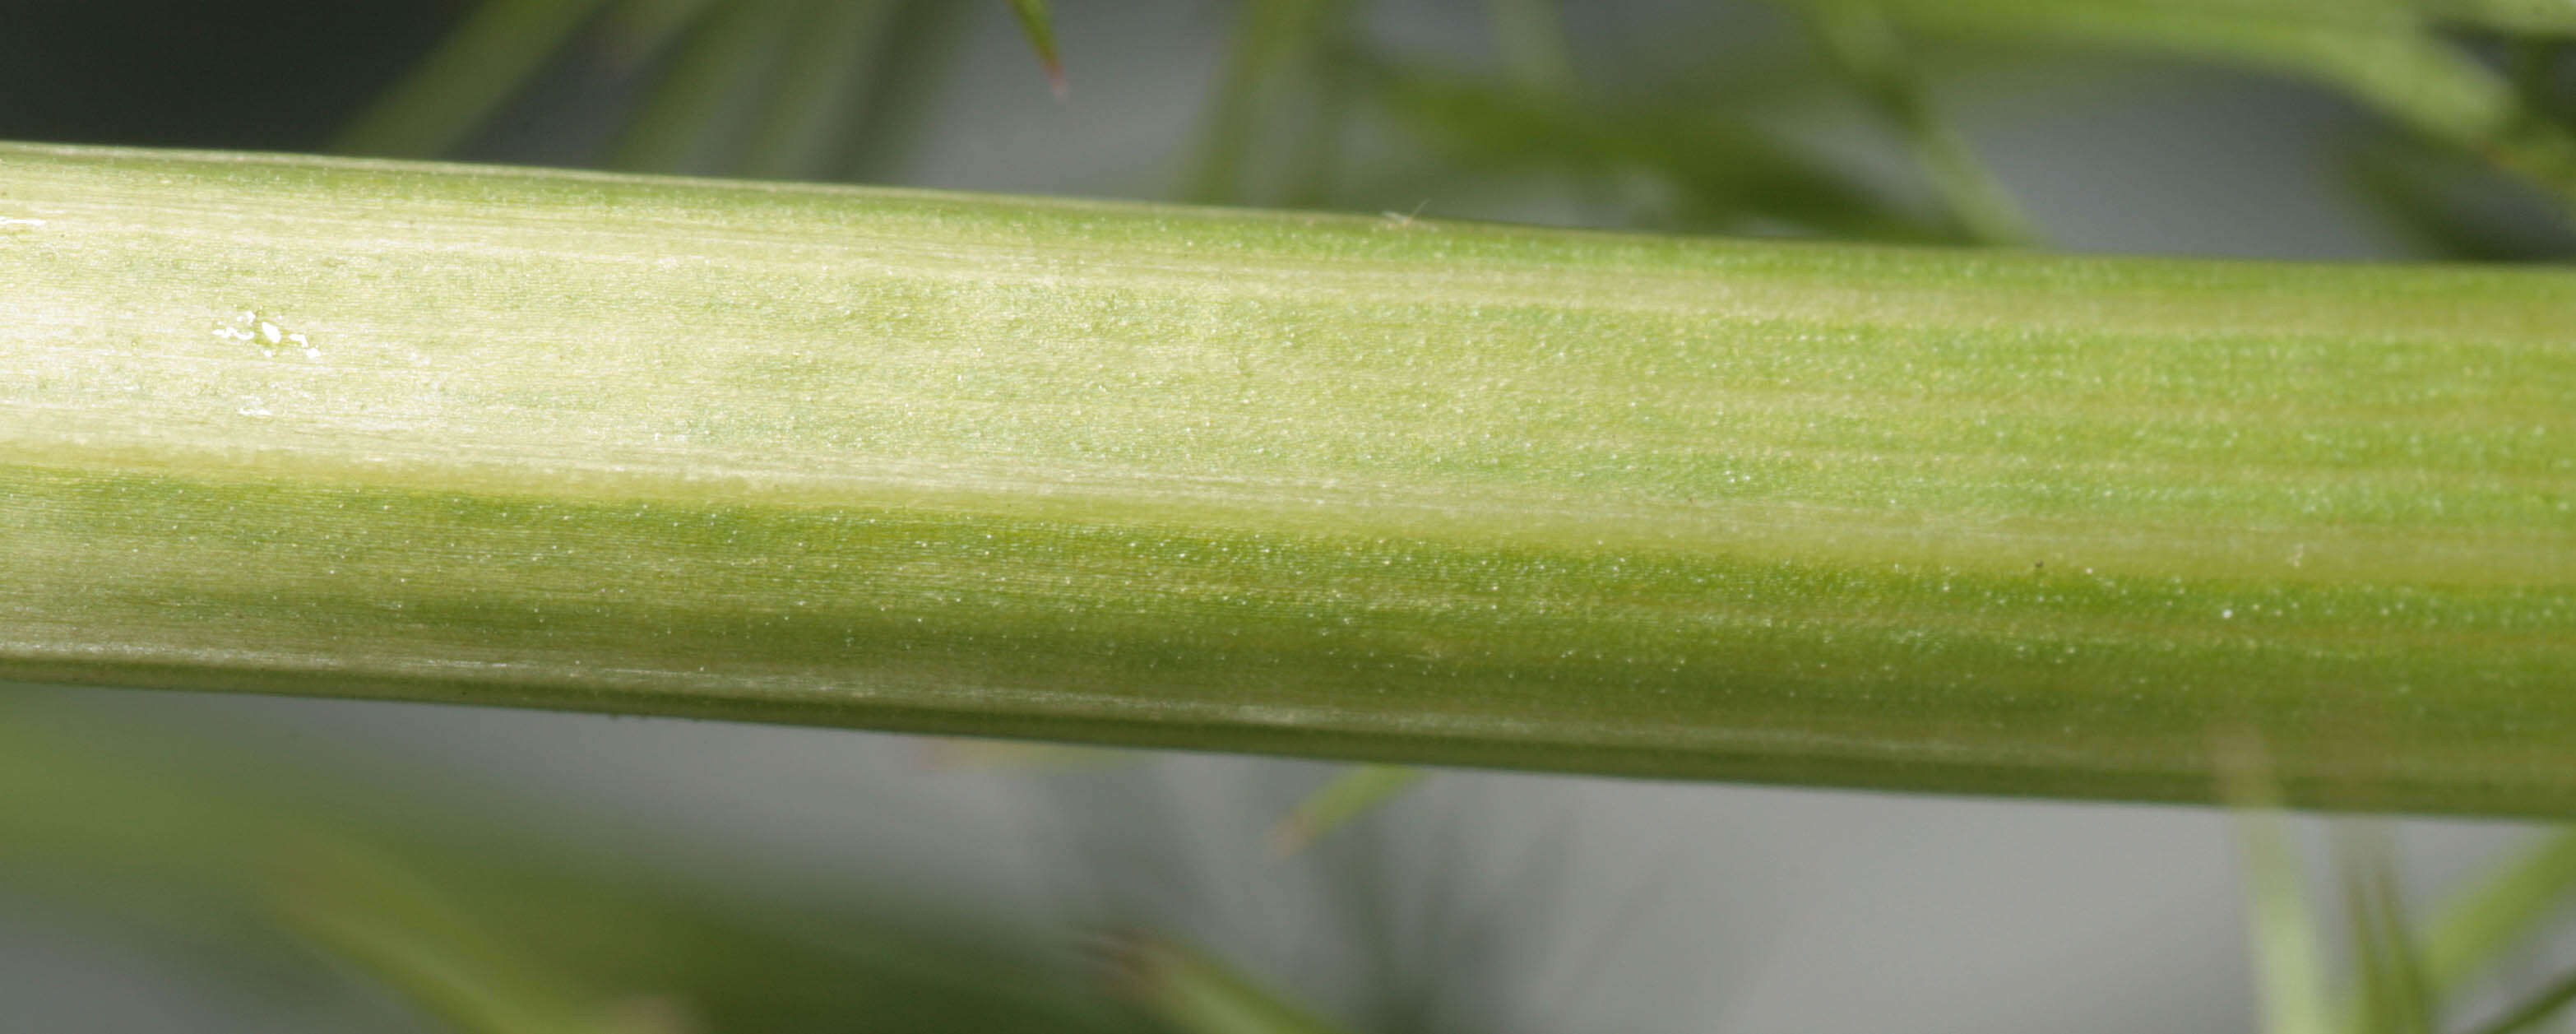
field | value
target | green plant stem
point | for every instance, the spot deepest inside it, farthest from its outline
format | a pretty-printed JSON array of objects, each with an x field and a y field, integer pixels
[{"x": 1376, "y": 489}]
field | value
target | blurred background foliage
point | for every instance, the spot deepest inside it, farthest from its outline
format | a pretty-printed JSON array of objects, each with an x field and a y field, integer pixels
[
  {"x": 1818, "y": 117},
  {"x": 418, "y": 874}
]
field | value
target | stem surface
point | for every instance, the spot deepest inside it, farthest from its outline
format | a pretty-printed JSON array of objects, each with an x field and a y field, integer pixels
[{"x": 1375, "y": 488}]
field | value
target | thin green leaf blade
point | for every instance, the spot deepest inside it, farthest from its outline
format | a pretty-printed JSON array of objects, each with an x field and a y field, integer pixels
[
  {"x": 480, "y": 917},
  {"x": 2382, "y": 52},
  {"x": 819, "y": 97},
  {"x": 472, "y": 73},
  {"x": 366, "y": 907},
  {"x": 1860, "y": 38},
  {"x": 1040, "y": 29},
  {"x": 1348, "y": 795},
  {"x": 2496, "y": 912},
  {"x": 2390, "y": 985},
  {"x": 2531, "y": 1012},
  {"x": 1272, "y": 39},
  {"x": 686, "y": 123},
  {"x": 2288, "y": 949},
  {"x": 1198, "y": 994}
]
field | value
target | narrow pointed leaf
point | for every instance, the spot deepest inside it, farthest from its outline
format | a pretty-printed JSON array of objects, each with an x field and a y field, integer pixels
[
  {"x": 2498, "y": 912},
  {"x": 2381, "y": 52},
  {"x": 2533, "y": 1011},
  {"x": 2287, "y": 944},
  {"x": 640, "y": 31},
  {"x": 1197, "y": 994},
  {"x": 1865, "y": 43},
  {"x": 366, "y": 908},
  {"x": 688, "y": 122},
  {"x": 816, "y": 103},
  {"x": 481, "y": 918},
  {"x": 1349, "y": 795},
  {"x": 1041, "y": 32},
  {"x": 1271, "y": 38},
  {"x": 2393, "y": 995},
  {"x": 479, "y": 67}
]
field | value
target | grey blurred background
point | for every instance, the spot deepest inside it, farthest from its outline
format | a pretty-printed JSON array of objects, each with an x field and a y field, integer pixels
[{"x": 1516, "y": 902}]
